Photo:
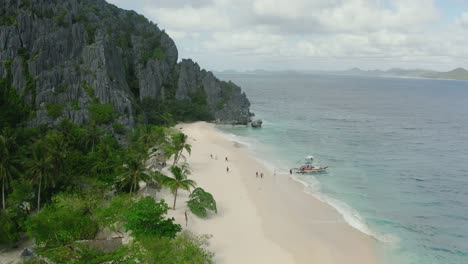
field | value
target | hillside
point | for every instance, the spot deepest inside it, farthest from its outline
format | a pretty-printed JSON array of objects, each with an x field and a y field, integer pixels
[
  {"x": 89, "y": 60},
  {"x": 456, "y": 74}
]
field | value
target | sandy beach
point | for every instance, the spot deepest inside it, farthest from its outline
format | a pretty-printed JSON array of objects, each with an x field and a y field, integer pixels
[{"x": 263, "y": 220}]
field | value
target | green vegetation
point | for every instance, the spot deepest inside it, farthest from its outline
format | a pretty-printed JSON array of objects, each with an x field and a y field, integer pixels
[
  {"x": 146, "y": 218},
  {"x": 89, "y": 90},
  {"x": 176, "y": 146},
  {"x": 167, "y": 112},
  {"x": 56, "y": 185},
  {"x": 75, "y": 104},
  {"x": 134, "y": 171},
  {"x": 64, "y": 184},
  {"x": 119, "y": 128},
  {"x": 101, "y": 113},
  {"x": 6, "y": 20},
  {"x": 225, "y": 95},
  {"x": 66, "y": 219},
  {"x": 156, "y": 53},
  {"x": 12, "y": 108},
  {"x": 91, "y": 31},
  {"x": 179, "y": 181},
  {"x": 63, "y": 88},
  {"x": 30, "y": 81},
  {"x": 60, "y": 19},
  {"x": 200, "y": 202},
  {"x": 54, "y": 110}
]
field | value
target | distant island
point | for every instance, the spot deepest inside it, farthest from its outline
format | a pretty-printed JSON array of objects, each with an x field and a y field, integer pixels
[{"x": 456, "y": 74}]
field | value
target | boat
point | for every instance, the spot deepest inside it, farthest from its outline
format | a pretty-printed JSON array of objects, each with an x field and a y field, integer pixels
[{"x": 308, "y": 168}]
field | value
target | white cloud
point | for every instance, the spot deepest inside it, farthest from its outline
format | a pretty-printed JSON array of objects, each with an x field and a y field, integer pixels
[
  {"x": 463, "y": 20},
  {"x": 297, "y": 33}
]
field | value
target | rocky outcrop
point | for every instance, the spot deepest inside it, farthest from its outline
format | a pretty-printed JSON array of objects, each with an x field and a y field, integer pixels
[
  {"x": 256, "y": 123},
  {"x": 73, "y": 53},
  {"x": 225, "y": 99}
]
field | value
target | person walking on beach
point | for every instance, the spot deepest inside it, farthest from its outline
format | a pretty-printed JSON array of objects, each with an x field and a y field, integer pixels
[
  {"x": 261, "y": 175},
  {"x": 256, "y": 174},
  {"x": 227, "y": 169},
  {"x": 226, "y": 159},
  {"x": 211, "y": 156},
  {"x": 290, "y": 172}
]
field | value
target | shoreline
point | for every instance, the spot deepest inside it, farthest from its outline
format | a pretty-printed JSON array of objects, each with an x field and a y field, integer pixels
[{"x": 275, "y": 220}]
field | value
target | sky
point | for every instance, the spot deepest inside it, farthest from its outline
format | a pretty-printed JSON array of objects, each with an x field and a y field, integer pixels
[{"x": 313, "y": 34}]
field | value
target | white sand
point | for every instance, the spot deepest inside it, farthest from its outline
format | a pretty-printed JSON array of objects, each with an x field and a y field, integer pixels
[{"x": 269, "y": 220}]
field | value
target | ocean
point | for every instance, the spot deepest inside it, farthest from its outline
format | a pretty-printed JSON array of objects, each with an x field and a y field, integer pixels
[{"x": 397, "y": 151}]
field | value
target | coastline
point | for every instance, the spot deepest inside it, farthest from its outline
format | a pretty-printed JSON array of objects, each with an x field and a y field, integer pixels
[{"x": 269, "y": 220}]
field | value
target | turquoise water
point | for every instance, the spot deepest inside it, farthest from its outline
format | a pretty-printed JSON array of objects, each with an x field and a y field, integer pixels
[{"x": 397, "y": 151}]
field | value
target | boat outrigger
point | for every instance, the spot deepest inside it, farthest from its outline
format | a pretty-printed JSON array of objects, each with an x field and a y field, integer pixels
[{"x": 308, "y": 168}]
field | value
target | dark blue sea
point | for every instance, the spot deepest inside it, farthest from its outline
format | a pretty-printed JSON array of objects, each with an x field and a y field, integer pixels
[{"x": 397, "y": 151}]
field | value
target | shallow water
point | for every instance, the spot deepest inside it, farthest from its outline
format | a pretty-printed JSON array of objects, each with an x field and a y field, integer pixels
[{"x": 397, "y": 151}]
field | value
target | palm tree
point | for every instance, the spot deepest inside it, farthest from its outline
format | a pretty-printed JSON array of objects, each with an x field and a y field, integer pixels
[
  {"x": 93, "y": 134},
  {"x": 176, "y": 146},
  {"x": 134, "y": 171},
  {"x": 150, "y": 135},
  {"x": 40, "y": 168},
  {"x": 7, "y": 163},
  {"x": 179, "y": 181},
  {"x": 57, "y": 149}
]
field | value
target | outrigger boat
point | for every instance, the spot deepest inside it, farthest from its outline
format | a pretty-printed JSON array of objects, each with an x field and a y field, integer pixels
[{"x": 308, "y": 168}]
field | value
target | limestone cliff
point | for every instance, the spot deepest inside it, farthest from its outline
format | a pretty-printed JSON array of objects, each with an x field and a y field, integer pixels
[{"x": 64, "y": 56}]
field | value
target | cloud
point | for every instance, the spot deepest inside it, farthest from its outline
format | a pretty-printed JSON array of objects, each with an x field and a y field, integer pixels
[
  {"x": 463, "y": 20},
  {"x": 297, "y": 33}
]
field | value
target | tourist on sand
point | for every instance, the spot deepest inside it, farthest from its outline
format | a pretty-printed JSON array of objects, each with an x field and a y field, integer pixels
[
  {"x": 290, "y": 172},
  {"x": 256, "y": 174},
  {"x": 227, "y": 169},
  {"x": 211, "y": 155},
  {"x": 226, "y": 159},
  {"x": 261, "y": 175}
]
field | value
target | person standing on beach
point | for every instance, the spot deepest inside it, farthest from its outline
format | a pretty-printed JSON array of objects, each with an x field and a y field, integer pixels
[
  {"x": 227, "y": 169},
  {"x": 256, "y": 174},
  {"x": 226, "y": 159},
  {"x": 290, "y": 172},
  {"x": 211, "y": 156},
  {"x": 261, "y": 175}
]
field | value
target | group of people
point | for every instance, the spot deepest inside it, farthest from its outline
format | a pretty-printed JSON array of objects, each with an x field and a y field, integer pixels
[
  {"x": 216, "y": 158},
  {"x": 257, "y": 174}
]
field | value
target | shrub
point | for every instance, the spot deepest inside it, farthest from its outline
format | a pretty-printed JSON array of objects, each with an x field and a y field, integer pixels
[
  {"x": 185, "y": 248},
  {"x": 60, "y": 19},
  {"x": 201, "y": 201},
  {"x": 9, "y": 233},
  {"x": 156, "y": 53},
  {"x": 89, "y": 90},
  {"x": 75, "y": 104},
  {"x": 147, "y": 218},
  {"x": 54, "y": 110},
  {"x": 63, "y": 88},
  {"x": 119, "y": 128},
  {"x": 101, "y": 113},
  {"x": 64, "y": 221}
]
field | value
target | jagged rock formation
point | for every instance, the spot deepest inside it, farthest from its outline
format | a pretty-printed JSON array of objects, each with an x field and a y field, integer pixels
[
  {"x": 77, "y": 59},
  {"x": 256, "y": 123}
]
